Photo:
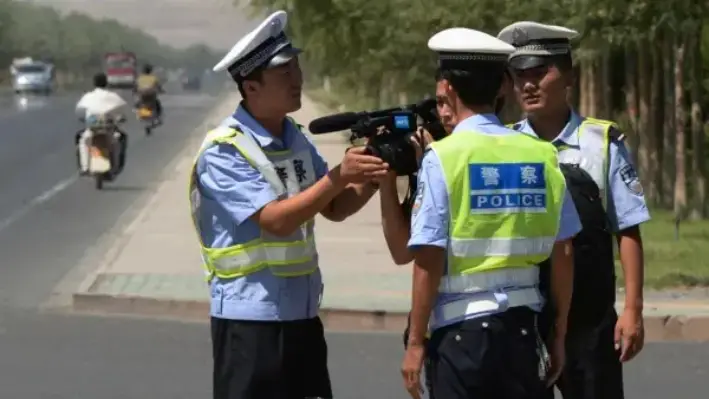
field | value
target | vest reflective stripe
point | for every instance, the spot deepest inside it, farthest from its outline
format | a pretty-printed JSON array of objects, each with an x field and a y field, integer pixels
[
  {"x": 501, "y": 246},
  {"x": 294, "y": 255},
  {"x": 487, "y": 303},
  {"x": 250, "y": 149},
  {"x": 594, "y": 141},
  {"x": 255, "y": 255},
  {"x": 489, "y": 281}
]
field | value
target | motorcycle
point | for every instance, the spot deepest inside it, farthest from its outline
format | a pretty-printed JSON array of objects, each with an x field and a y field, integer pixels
[
  {"x": 148, "y": 117},
  {"x": 102, "y": 145}
]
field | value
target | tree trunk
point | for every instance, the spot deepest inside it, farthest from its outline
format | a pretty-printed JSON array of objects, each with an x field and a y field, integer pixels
[
  {"x": 606, "y": 90},
  {"x": 668, "y": 140},
  {"x": 645, "y": 132},
  {"x": 584, "y": 88},
  {"x": 631, "y": 97},
  {"x": 699, "y": 179},
  {"x": 593, "y": 87},
  {"x": 680, "y": 196},
  {"x": 656, "y": 135},
  {"x": 576, "y": 89}
]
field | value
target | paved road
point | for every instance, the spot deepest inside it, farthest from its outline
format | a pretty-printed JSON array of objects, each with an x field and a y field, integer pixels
[
  {"x": 49, "y": 217},
  {"x": 80, "y": 357}
]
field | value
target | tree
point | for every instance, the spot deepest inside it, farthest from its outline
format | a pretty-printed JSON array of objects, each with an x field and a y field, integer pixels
[{"x": 76, "y": 43}]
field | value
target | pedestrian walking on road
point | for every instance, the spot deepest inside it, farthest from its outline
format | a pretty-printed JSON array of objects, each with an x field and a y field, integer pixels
[{"x": 256, "y": 186}]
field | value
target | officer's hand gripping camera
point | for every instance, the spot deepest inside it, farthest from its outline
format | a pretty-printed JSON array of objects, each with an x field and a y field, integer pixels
[{"x": 389, "y": 131}]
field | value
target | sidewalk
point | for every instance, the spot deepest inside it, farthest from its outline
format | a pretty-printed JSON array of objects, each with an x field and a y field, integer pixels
[{"x": 154, "y": 268}]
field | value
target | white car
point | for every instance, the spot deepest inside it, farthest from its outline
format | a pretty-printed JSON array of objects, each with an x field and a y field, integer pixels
[{"x": 32, "y": 76}]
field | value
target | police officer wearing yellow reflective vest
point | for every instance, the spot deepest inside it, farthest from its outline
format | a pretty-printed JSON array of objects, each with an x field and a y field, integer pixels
[
  {"x": 609, "y": 199},
  {"x": 491, "y": 204},
  {"x": 256, "y": 186}
]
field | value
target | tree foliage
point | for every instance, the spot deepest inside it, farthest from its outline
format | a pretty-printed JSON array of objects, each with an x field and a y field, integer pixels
[
  {"x": 77, "y": 43},
  {"x": 365, "y": 40},
  {"x": 373, "y": 53}
]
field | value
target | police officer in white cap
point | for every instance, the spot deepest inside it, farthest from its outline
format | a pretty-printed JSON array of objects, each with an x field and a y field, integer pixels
[
  {"x": 491, "y": 204},
  {"x": 609, "y": 199},
  {"x": 256, "y": 186}
]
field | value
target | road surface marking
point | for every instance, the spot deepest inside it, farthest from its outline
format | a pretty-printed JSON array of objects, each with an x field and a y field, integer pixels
[{"x": 38, "y": 200}]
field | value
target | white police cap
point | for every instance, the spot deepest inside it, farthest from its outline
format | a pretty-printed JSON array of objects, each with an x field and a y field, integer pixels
[
  {"x": 534, "y": 42},
  {"x": 458, "y": 47},
  {"x": 266, "y": 46}
]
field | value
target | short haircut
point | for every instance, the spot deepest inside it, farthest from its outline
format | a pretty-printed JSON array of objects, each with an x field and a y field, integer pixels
[
  {"x": 477, "y": 84},
  {"x": 100, "y": 80},
  {"x": 256, "y": 75}
]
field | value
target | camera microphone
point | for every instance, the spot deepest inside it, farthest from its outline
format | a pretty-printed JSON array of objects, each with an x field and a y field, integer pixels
[{"x": 333, "y": 123}]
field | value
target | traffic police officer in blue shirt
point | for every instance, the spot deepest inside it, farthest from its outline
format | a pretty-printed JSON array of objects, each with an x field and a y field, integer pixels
[
  {"x": 491, "y": 203},
  {"x": 609, "y": 200},
  {"x": 256, "y": 186}
]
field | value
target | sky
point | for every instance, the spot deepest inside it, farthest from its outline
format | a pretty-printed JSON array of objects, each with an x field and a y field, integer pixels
[{"x": 179, "y": 23}]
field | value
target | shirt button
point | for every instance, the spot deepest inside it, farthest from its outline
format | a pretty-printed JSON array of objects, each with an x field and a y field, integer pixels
[
  {"x": 485, "y": 324},
  {"x": 523, "y": 331}
]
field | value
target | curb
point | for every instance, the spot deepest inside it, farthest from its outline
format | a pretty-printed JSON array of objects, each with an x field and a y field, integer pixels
[
  {"x": 195, "y": 310},
  {"x": 658, "y": 328}
]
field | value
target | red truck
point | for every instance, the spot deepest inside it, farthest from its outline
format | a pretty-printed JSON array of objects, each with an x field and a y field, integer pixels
[{"x": 121, "y": 69}]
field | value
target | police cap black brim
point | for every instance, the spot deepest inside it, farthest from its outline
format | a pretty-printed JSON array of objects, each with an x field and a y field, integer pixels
[{"x": 524, "y": 62}]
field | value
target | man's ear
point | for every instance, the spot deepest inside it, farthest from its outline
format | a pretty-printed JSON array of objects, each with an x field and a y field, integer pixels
[{"x": 250, "y": 86}]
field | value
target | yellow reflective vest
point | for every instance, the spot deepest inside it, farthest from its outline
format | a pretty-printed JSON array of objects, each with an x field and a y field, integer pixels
[
  {"x": 505, "y": 198},
  {"x": 294, "y": 255}
]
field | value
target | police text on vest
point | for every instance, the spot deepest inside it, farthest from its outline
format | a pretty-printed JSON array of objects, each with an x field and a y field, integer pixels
[{"x": 507, "y": 187}]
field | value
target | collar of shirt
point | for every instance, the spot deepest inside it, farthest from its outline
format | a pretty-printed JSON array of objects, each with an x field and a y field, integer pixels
[
  {"x": 568, "y": 135},
  {"x": 258, "y": 132},
  {"x": 471, "y": 122}
]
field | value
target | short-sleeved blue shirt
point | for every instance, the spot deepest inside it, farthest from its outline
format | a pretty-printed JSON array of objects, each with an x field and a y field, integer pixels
[{"x": 231, "y": 192}]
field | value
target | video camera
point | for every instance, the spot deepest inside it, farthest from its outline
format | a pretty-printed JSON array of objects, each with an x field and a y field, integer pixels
[{"x": 388, "y": 130}]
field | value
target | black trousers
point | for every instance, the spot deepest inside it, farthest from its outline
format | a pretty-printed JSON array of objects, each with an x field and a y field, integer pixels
[
  {"x": 492, "y": 357},
  {"x": 270, "y": 360},
  {"x": 593, "y": 368}
]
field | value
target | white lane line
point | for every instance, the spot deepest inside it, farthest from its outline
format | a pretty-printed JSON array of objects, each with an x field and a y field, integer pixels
[{"x": 38, "y": 200}]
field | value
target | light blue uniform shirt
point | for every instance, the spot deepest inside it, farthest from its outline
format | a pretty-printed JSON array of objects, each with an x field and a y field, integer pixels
[
  {"x": 429, "y": 224},
  {"x": 626, "y": 206},
  {"x": 232, "y": 191}
]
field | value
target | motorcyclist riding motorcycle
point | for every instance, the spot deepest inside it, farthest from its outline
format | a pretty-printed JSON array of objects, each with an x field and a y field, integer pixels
[
  {"x": 148, "y": 87},
  {"x": 100, "y": 101}
]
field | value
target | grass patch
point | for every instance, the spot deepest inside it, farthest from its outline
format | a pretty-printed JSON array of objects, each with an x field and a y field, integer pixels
[{"x": 670, "y": 261}]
